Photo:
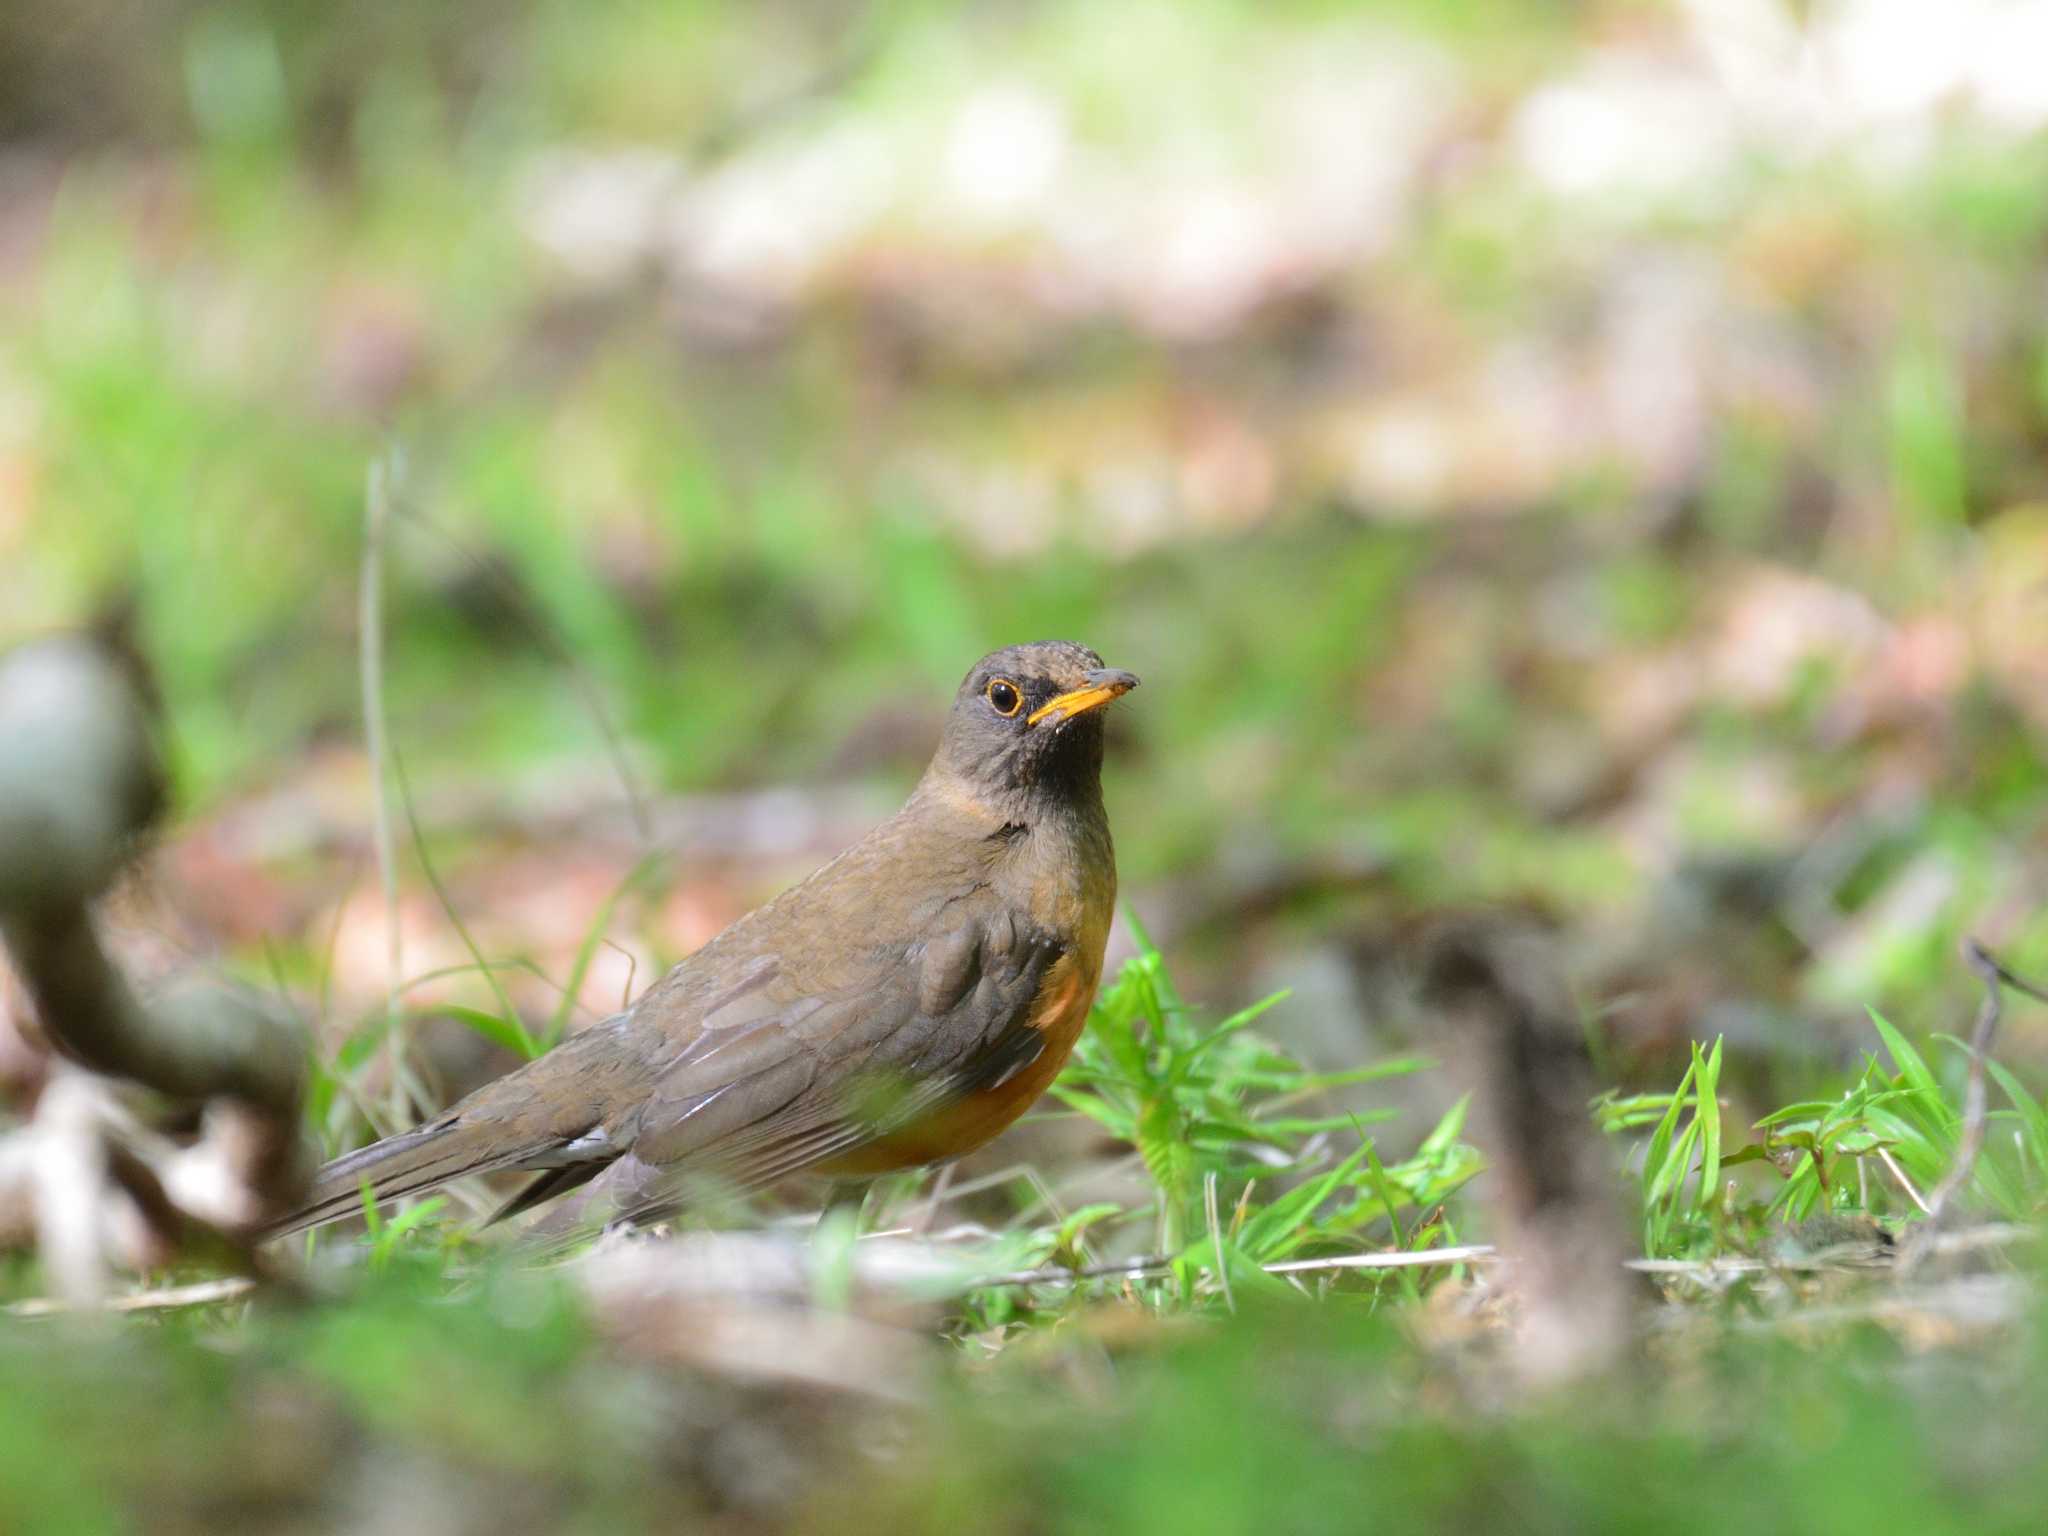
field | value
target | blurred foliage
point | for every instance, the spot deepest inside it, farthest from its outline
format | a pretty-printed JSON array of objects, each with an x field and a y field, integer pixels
[
  {"x": 1290, "y": 1418},
  {"x": 1206, "y": 1443},
  {"x": 1297, "y": 1421},
  {"x": 440, "y": 1387}
]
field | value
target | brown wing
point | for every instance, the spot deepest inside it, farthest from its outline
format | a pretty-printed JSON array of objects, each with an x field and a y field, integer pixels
[{"x": 774, "y": 1084}]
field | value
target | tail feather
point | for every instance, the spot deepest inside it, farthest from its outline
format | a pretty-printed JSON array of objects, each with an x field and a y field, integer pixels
[
  {"x": 409, "y": 1163},
  {"x": 555, "y": 1181},
  {"x": 542, "y": 1116}
]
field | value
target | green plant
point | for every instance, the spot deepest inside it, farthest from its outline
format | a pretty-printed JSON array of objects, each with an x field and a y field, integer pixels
[
  {"x": 1681, "y": 1167},
  {"x": 1875, "y": 1150},
  {"x": 1906, "y": 1122},
  {"x": 1240, "y": 1179}
]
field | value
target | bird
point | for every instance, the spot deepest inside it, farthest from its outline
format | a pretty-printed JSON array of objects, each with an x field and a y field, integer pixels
[{"x": 899, "y": 1007}]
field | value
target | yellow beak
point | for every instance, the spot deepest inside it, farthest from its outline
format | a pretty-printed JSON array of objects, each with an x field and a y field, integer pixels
[{"x": 1099, "y": 689}]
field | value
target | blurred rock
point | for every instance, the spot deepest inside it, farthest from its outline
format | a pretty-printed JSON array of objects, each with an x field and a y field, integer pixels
[{"x": 1550, "y": 1179}]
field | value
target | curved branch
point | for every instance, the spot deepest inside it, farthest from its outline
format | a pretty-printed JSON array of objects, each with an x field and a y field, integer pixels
[{"x": 80, "y": 779}]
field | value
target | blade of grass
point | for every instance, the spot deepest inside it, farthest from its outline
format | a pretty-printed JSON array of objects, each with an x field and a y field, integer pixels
[
  {"x": 370, "y": 662},
  {"x": 419, "y": 844},
  {"x": 1658, "y": 1151},
  {"x": 593, "y": 937},
  {"x": 493, "y": 1029},
  {"x": 1909, "y": 1062},
  {"x": 1707, "y": 1075},
  {"x": 1383, "y": 1187}
]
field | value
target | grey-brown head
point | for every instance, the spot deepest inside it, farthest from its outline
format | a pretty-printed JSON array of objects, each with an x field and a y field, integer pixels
[{"x": 1028, "y": 720}]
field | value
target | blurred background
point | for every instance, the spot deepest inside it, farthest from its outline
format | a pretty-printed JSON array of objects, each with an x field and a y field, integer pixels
[
  {"x": 1585, "y": 458},
  {"x": 1584, "y": 461}
]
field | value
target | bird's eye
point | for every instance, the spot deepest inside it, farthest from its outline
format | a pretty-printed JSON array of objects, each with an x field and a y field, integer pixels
[{"x": 1005, "y": 696}]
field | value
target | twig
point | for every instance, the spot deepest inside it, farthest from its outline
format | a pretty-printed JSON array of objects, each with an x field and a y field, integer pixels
[
  {"x": 1703, "y": 1269},
  {"x": 1483, "y": 1253},
  {"x": 1141, "y": 1268},
  {"x": 1428, "y": 1258},
  {"x": 200, "y": 1294},
  {"x": 1996, "y": 1235},
  {"x": 488, "y": 971},
  {"x": 1973, "y": 1240},
  {"x": 1995, "y": 978},
  {"x": 212, "y": 1291},
  {"x": 370, "y": 660},
  {"x": 1216, "y": 1237},
  {"x": 936, "y": 1199},
  {"x": 80, "y": 779},
  {"x": 1974, "y": 1303},
  {"x": 1884, "y": 1155}
]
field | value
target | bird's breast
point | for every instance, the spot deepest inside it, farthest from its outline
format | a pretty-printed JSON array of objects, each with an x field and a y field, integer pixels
[
  {"x": 1064, "y": 884},
  {"x": 1065, "y": 887},
  {"x": 1058, "y": 1012}
]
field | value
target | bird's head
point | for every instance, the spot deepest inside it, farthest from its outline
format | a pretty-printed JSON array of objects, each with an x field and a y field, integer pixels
[{"x": 1028, "y": 720}]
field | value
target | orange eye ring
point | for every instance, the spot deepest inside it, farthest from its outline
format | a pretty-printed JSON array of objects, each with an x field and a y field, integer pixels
[{"x": 1004, "y": 696}]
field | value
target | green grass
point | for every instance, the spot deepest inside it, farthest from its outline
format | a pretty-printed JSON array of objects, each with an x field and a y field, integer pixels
[
  {"x": 1247, "y": 1164},
  {"x": 1247, "y": 1401}
]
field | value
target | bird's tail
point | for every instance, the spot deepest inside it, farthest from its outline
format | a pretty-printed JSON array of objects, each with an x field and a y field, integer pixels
[
  {"x": 550, "y": 1107},
  {"x": 409, "y": 1163}
]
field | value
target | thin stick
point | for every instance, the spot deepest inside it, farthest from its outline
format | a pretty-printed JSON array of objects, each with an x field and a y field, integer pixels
[
  {"x": 1136, "y": 1269},
  {"x": 1474, "y": 1253},
  {"x": 1972, "y": 1240},
  {"x": 1995, "y": 978},
  {"x": 936, "y": 1199},
  {"x": 1002, "y": 1176},
  {"x": 1884, "y": 1155},
  {"x": 207, "y": 1292},
  {"x": 1703, "y": 1268},
  {"x": 370, "y": 662},
  {"x": 1216, "y": 1237},
  {"x": 448, "y": 908},
  {"x": 1481, "y": 1253},
  {"x": 1425, "y": 1258},
  {"x": 203, "y": 1293}
]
